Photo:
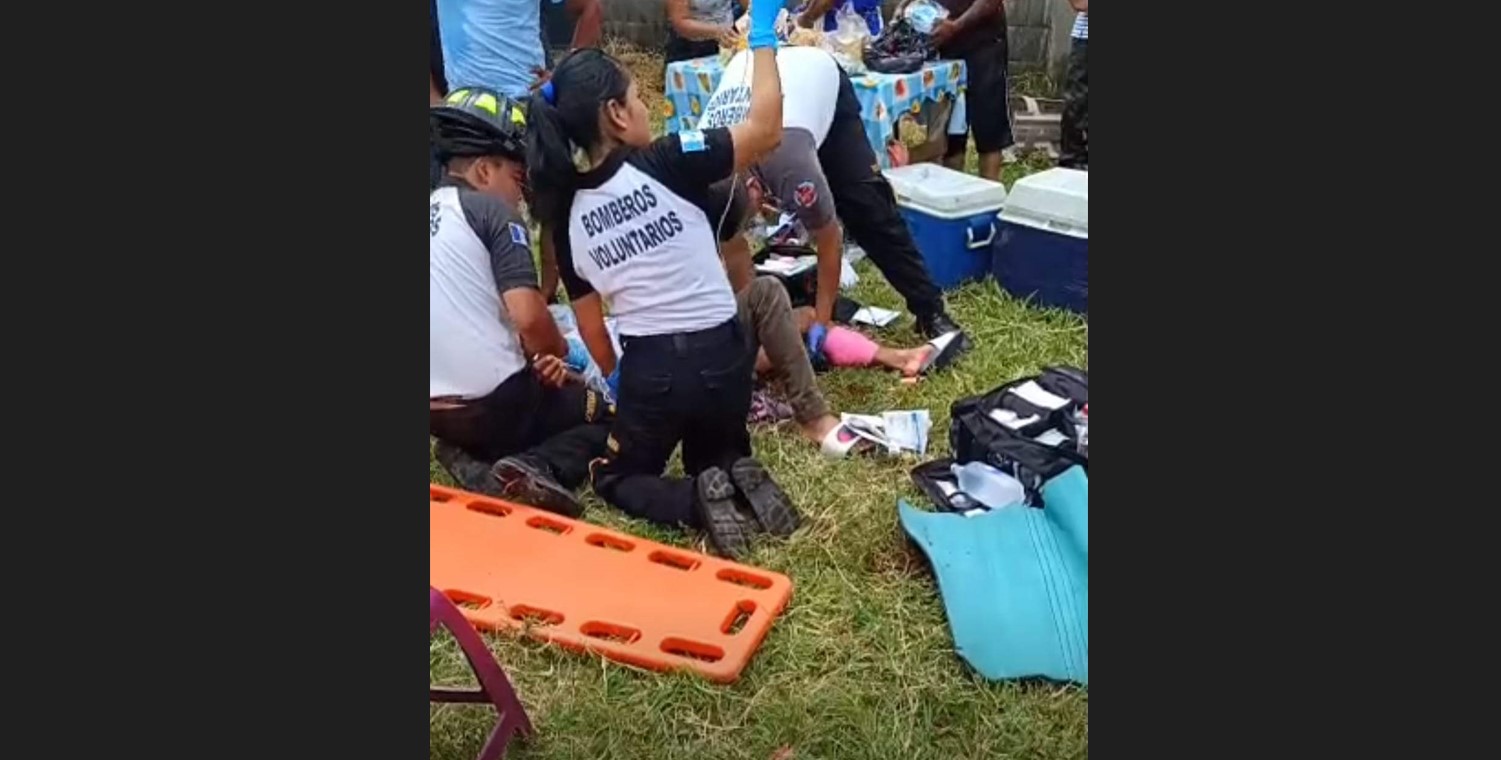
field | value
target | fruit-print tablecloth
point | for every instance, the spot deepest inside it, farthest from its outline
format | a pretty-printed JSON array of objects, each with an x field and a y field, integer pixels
[{"x": 883, "y": 97}]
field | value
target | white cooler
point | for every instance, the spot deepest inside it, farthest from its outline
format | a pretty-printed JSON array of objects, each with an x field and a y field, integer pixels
[{"x": 952, "y": 216}]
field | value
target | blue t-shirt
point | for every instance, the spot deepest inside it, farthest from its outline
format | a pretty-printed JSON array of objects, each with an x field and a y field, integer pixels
[
  {"x": 491, "y": 43},
  {"x": 869, "y": 9}
]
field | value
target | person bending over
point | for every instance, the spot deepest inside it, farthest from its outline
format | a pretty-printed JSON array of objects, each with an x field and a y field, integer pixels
[
  {"x": 697, "y": 28},
  {"x": 825, "y": 171},
  {"x": 487, "y": 401},
  {"x": 633, "y": 230},
  {"x": 839, "y": 346}
]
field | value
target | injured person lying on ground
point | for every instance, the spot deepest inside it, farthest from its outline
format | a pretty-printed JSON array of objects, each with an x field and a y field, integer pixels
[{"x": 844, "y": 347}]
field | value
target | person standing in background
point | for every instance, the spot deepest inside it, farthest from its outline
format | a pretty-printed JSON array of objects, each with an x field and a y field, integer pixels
[
  {"x": 437, "y": 87},
  {"x": 495, "y": 44},
  {"x": 696, "y": 28},
  {"x": 975, "y": 32},
  {"x": 498, "y": 43},
  {"x": 437, "y": 84},
  {"x": 1075, "y": 147},
  {"x": 570, "y": 25},
  {"x": 828, "y": 10}
]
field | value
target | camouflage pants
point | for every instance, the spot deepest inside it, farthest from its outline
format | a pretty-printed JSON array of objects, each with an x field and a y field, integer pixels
[
  {"x": 1075, "y": 148},
  {"x": 766, "y": 312}
]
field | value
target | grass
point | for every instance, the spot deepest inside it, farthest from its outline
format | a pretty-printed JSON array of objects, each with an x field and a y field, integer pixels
[{"x": 861, "y": 665}]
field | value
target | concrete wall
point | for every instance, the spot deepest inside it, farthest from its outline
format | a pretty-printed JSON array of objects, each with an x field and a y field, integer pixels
[{"x": 1037, "y": 29}]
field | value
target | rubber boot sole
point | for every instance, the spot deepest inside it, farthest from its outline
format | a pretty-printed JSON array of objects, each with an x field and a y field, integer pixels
[
  {"x": 714, "y": 500},
  {"x": 767, "y": 501},
  {"x": 469, "y": 473},
  {"x": 523, "y": 484}
]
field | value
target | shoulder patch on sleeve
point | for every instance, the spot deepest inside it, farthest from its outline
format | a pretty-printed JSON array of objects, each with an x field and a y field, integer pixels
[
  {"x": 518, "y": 234},
  {"x": 807, "y": 194},
  {"x": 692, "y": 140}
]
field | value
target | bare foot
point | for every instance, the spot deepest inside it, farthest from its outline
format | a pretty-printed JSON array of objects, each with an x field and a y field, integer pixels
[
  {"x": 912, "y": 359},
  {"x": 818, "y": 429}
]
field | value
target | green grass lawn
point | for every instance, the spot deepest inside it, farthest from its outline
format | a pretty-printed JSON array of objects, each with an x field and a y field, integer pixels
[{"x": 861, "y": 665}]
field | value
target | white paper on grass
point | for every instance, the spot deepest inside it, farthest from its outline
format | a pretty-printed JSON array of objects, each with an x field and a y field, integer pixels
[
  {"x": 908, "y": 429},
  {"x": 1034, "y": 394},
  {"x": 847, "y": 276},
  {"x": 875, "y": 316},
  {"x": 896, "y": 431},
  {"x": 867, "y": 426}
]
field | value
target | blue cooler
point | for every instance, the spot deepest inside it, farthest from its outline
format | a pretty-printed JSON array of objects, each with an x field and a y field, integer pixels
[
  {"x": 952, "y": 216},
  {"x": 1042, "y": 251}
]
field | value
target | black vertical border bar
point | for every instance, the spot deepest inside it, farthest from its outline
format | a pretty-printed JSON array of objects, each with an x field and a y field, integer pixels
[
  {"x": 1242, "y": 164},
  {"x": 291, "y": 149}
]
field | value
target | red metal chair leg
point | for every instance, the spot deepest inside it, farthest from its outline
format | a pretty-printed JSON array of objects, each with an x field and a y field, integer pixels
[{"x": 495, "y": 688}]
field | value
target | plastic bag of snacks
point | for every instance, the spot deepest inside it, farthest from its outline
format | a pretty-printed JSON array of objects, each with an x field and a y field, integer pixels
[
  {"x": 924, "y": 15},
  {"x": 804, "y": 37},
  {"x": 848, "y": 40}
]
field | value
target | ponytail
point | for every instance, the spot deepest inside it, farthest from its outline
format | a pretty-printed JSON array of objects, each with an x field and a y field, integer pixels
[
  {"x": 563, "y": 114},
  {"x": 551, "y": 174}
]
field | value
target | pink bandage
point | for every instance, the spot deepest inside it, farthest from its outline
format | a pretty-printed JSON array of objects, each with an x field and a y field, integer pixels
[{"x": 847, "y": 348}]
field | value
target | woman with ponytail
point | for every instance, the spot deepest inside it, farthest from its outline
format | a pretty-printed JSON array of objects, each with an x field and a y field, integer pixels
[{"x": 633, "y": 226}]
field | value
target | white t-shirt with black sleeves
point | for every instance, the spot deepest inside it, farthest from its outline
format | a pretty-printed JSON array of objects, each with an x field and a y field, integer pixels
[
  {"x": 478, "y": 249},
  {"x": 640, "y": 234},
  {"x": 810, "y": 88}
]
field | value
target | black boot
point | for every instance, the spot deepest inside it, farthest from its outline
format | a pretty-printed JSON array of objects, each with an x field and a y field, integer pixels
[
  {"x": 714, "y": 500},
  {"x": 471, "y": 474},
  {"x": 766, "y": 499},
  {"x": 936, "y": 324},
  {"x": 529, "y": 481},
  {"x": 940, "y": 323}
]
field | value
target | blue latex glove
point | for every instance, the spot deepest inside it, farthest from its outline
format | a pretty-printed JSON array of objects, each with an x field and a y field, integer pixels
[
  {"x": 613, "y": 383},
  {"x": 816, "y": 335},
  {"x": 578, "y": 356},
  {"x": 763, "y": 21}
]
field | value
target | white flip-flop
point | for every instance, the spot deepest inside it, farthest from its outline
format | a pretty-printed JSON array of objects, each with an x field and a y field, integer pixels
[
  {"x": 945, "y": 351},
  {"x": 841, "y": 441}
]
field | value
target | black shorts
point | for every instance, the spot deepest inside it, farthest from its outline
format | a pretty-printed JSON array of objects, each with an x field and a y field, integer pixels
[
  {"x": 681, "y": 49},
  {"x": 987, "y": 100}
]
